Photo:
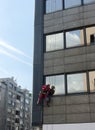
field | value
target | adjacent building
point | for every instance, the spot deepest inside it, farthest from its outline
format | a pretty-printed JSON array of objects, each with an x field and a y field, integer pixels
[
  {"x": 64, "y": 56},
  {"x": 15, "y": 106}
]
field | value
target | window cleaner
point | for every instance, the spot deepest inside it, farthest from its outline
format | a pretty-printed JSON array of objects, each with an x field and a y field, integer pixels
[{"x": 46, "y": 93}]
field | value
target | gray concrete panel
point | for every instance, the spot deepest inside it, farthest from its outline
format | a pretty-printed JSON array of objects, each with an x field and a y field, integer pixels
[
  {"x": 92, "y": 117},
  {"x": 59, "y": 69},
  {"x": 76, "y": 99},
  {"x": 59, "y": 101},
  {"x": 76, "y": 109},
  {"x": 78, "y": 118},
  {"x": 70, "y": 109},
  {"x": 68, "y": 19}
]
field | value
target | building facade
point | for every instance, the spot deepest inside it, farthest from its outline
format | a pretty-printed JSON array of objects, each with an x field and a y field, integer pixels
[
  {"x": 15, "y": 106},
  {"x": 64, "y": 56}
]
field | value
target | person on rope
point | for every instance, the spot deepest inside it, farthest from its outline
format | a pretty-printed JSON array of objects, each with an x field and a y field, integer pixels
[
  {"x": 50, "y": 93},
  {"x": 43, "y": 93}
]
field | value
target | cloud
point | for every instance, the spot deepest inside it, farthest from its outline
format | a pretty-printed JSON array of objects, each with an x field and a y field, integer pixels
[
  {"x": 72, "y": 39},
  {"x": 6, "y": 45},
  {"x": 14, "y": 57}
]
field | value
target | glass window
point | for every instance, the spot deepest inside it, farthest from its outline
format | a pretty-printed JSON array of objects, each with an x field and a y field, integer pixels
[
  {"x": 72, "y": 3},
  {"x": 74, "y": 38},
  {"x": 58, "y": 82},
  {"x": 22, "y": 99},
  {"x": 88, "y": 1},
  {"x": 76, "y": 83},
  {"x": 90, "y": 35},
  {"x": 53, "y": 5},
  {"x": 21, "y": 114},
  {"x": 27, "y": 101},
  {"x": 54, "y": 42},
  {"x": 58, "y": 4},
  {"x": 92, "y": 81}
]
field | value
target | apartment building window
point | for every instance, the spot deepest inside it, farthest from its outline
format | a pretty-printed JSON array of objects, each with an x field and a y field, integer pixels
[
  {"x": 18, "y": 97},
  {"x": 13, "y": 128},
  {"x": 53, "y": 5},
  {"x": 21, "y": 122},
  {"x": 88, "y": 1},
  {"x": 17, "y": 120},
  {"x": 26, "y": 108},
  {"x": 90, "y": 35},
  {"x": 22, "y": 99},
  {"x": 54, "y": 42},
  {"x": 27, "y": 101},
  {"x": 58, "y": 81},
  {"x": 21, "y": 106},
  {"x": 74, "y": 38},
  {"x": 9, "y": 127},
  {"x": 21, "y": 114},
  {"x": 17, "y": 112},
  {"x": 76, "y": 83},
  {"x": 73, "y": 83},
  {"x": 11, "y": 85},
  {"x": 92, "y": 81},
  {"x": 72, "y": 3}
]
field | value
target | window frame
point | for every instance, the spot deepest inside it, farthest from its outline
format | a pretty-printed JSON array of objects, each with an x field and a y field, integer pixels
[
  {"x": 73, "y": 74},
  {"x": 65, "y": 81},
  {"x": 55, "y": 86},
  {"x": 75, "y": 29},
  {"x": 72, "y": 6},
  {"x": 88, "y": 3},
  {"x": 45, "y": 11},
  {"x": 54, "y": 33},
  {"x": 64, "y": 38},
  {"x": 63, "y": 6}
]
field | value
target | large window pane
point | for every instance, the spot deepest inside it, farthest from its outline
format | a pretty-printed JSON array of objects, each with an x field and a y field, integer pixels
[
  {"x": 92, "y": 81},
  {"x": 74, "y": 38},
  {"x": 88, "y": 1},
  {"x": 76, "y": 83},
  {"x": 58, "y": 82},
  {"x": 53, "y": 5},
  {"x": 72, "y": 3},
  {"x": 48, "y": 6},
  {"x": 90, "y": 35},
  {"x": 58, "y": 5},
  {"x": 54, "y": 42}
]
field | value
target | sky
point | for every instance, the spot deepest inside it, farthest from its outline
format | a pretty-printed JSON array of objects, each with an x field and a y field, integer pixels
[{"x": 16, "y": 41}]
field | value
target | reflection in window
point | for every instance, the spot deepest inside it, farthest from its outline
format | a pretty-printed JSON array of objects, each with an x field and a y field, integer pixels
[
  {"x": 88, "y": 1},
  {"x": 90, "y": 35},
  {"x": 92, "y": 81},
  {"x": 74, "y": 38},
  {"x": 76, "y": 83},
  {"x": 58, "y": 82},
  {"x": 54, "y": 42},
  {"x": 53, "y": 5},
  {"x": 72, "y": 3}
]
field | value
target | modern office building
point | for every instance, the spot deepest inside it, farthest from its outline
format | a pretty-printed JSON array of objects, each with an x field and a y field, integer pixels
[
  {"x": 15, "y": 106},
  {"x": 64, "y": 56}
]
